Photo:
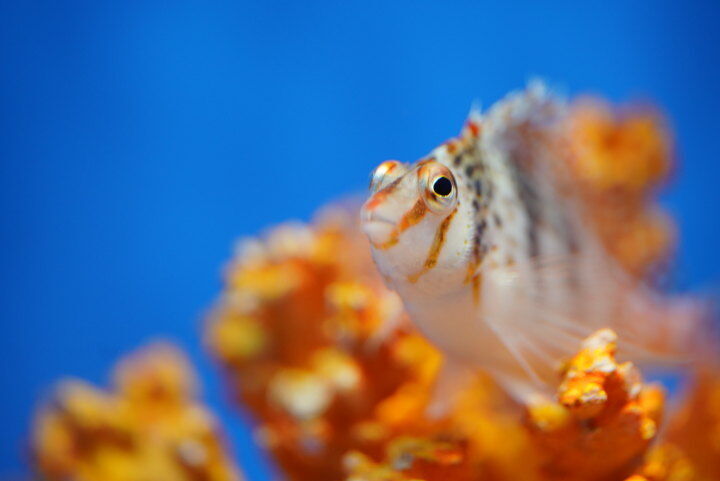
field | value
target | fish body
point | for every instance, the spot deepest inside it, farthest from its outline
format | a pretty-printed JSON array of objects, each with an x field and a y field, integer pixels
[{"x": 484, "y": 240}]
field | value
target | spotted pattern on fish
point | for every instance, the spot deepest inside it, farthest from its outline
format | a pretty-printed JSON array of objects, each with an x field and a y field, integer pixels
[
  {"x": 549, "y": 227},
  {"x": 529, "y": 200},
  {"x": 469, "y": 161},
  {"x": 466, "y": 158}
]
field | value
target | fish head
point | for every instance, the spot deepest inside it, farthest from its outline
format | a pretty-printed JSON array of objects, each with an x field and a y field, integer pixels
[{"x": 419, "y": 224}]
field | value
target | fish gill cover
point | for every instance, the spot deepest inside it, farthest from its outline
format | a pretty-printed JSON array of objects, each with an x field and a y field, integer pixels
[{"x": 339, "y": 382}]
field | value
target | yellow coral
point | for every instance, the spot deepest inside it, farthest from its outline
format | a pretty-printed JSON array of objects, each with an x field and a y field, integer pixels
[
  {"x": 618, "y": 152},
  {"x": 411, "y": 458},
  {"x": 616, "y": 163},
  {"x": 326, "y": 348},
  {"x": 696, "y": 428},
  {"x": 665, "y": 463},
  {"x": 150, "y": 427},
  {"x": 610, "y": 415}
]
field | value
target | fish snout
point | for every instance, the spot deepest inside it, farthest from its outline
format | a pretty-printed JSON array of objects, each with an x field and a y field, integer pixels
[{"x": 378, "y": 225}]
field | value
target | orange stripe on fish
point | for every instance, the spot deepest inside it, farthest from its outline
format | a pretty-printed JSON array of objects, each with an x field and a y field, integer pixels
[
  {"x": 409, "y": 219},
  {"x": 380, "y": 196},
  {"x": 476, "y": 285},
  {"x": 436, "y": 247},
  {"x": 473, "y": 128},
  {"x": 472, "y": 268}
]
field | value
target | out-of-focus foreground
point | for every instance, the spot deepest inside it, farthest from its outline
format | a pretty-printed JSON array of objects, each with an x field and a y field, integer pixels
[{"x": 339, "y": 382}]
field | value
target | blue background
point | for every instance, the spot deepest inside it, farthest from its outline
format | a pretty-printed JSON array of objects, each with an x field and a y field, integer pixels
[{"x": 139, "y": 139}]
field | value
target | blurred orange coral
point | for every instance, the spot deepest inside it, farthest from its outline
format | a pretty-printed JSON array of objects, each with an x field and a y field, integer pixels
[
  {"x": 341, "y": 376},
  {"x": 151, "y": 428},
  {"x": 627, "y": 151},
  {"x": 665, "y": 462},
  {"x": 617, "y": 160},
  {"x": 330, "y": 360},
  {"x": 696, "y": 428},
  {"x": 604, "y": 417}
]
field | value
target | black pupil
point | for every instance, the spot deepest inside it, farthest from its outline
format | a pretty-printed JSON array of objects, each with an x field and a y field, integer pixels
[{"x": 442, "y": 186}]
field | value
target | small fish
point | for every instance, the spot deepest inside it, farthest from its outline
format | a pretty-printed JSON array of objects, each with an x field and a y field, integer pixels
[{"x": 486, "y": 245}]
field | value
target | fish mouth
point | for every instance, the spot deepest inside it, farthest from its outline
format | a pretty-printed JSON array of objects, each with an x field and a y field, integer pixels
[
  {"x": 379, "y": 229},
  {"x": 371, "y": 216}
]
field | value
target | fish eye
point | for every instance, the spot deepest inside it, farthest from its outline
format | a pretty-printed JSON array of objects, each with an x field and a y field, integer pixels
[
  {"x": 442, "y": 186},
  {"x": 385, "y": 173},
  {"x": 438, "y": 183}
]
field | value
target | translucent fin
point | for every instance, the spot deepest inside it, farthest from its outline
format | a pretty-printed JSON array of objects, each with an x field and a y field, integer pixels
[
  {"x": 451, "y": 380},
  {"x": 543, "y": 311},
  {"x": 475, "y": 114}
]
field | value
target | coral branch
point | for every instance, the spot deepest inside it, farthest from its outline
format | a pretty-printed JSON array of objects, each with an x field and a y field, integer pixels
[
  {"x": 604, "y": 418},
  {"x": 150, "y": 427}
]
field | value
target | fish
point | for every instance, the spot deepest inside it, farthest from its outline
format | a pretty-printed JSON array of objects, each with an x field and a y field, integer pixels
[{"x": 487, "y": 245}]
